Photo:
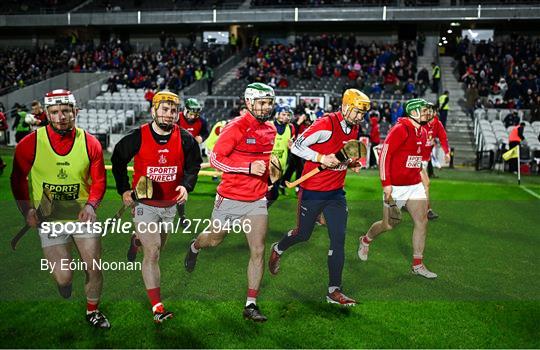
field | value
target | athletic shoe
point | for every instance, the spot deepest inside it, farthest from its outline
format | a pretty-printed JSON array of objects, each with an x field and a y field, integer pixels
[
  {"x": 337, "y": 297},
  {"x": 431, "y": 215},
  {"x": 273, "y": 263},
  {"x": 161, "y": 314},
  {"x": 134, "y": 245},
  {"x": 421, "y": 270},
  {"x": 190, "y": 259},
  {"x": 252, "y": 312},
  {"x": 363, "y": 249},
  {"x": 98, "y": 320}
]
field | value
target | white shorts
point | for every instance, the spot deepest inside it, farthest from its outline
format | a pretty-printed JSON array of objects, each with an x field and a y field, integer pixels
[
  {"x": 147, "y": 213},
  {"x": 401, "y": 194},
  {"x": 48, "y": 240},
  {"x": 229, "y": 210}
]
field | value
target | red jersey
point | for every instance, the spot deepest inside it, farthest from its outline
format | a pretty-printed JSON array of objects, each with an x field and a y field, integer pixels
[
  {"x": 401, "y": 155},
  {"x": 329, "y": 137},
  {"x": 241, "y": 142},
  {"x": 163, "y": 164},
  {"x": 375, "y": 133},
  {"x": 193, "y": 128},
  {"x": 25, "y": 153},
  {"x": 434, "y": 130},
  {"x": 3, "y": 122}
]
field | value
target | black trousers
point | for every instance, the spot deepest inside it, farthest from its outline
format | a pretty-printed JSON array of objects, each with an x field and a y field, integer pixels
[
  {"x": 513, "y": 163},
  {"x": 334, "y": 207}
]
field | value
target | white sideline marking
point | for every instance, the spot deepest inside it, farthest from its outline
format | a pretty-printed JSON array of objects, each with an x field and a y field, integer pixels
[{"x": 530, "y": 192}]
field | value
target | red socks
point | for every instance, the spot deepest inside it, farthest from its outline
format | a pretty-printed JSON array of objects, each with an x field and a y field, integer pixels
[
  {"x": 91, "y": 305},
  {"x": 154, "y": 295},
  {"x": 417, "y": 260},
  {"x": 251, "y": 296},
  {"x": 366, "y": 240}
]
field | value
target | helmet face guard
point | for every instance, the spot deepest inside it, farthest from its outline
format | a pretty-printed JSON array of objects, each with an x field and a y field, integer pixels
[
  {"x": 192, "y": 110},
  {"x": 355, "y": 105},
  {"x": 418, "y": 110},
  {"x": 260, "y": 100},
  {"x": 61, "y": 110},
  {"x": 284, "y": 114},
  {"x": 163, "y": 103}
]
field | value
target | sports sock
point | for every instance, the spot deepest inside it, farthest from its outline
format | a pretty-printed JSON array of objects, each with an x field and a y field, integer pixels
[
  {"x": 332, "y": 289},
  {"x": 366, "y": 240},
  {"x": 251, "y": 296},
  {"x": 154, "y": 295},
  {"x": 276, "y": 249},
  {"x": 417, "y": 260},
  {"x": 193, "y": 248},
  {"x": 91, "y": 305},
  {"x": 158, "y": 308}
]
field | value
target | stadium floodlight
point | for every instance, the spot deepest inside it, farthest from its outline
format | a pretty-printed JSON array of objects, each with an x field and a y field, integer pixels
[
  {"x": 449, "y": 31},
  {"x": 443, "y": 38},
  {"x": 445, "y": 42},
  {"x": 440, "y": 44},
  {"x": 455, "y": 24}
]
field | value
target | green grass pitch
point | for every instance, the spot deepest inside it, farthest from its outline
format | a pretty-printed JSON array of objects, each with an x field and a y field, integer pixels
[{"x": 485, "y": 248}]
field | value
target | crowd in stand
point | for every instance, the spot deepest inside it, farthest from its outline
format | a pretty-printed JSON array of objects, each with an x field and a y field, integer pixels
[
  {"x": 373, "y": 68},
  {"x": 172, "y": 66},
  {"x": 318, "y": 3},
  {"x": 501, "y": 74}
]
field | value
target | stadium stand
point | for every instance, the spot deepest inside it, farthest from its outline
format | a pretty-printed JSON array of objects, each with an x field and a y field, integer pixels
[
  {"x": 11, "y": 7},
  {"x": 171, "y": 67},
  {"x": 333, "y": 63},
  {"x": 507, "y": 70},
  {"x": 158, "y": 5}
]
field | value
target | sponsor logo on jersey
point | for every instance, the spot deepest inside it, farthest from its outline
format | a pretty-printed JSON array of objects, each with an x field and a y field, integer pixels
[
  {"x": 62, "y": 174},
  {"x": 63, "y": 192},
  {"x": 162, "y": 159},
  {"x": 162, "y": 173},
  {"x": 414, "y": 162},
  {"x": 251, "y": 141}
]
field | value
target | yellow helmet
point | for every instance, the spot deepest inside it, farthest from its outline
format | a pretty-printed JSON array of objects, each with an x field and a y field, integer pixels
[
  {"x": 354, "y": 98},
  {"x": 163, "y": 96}
]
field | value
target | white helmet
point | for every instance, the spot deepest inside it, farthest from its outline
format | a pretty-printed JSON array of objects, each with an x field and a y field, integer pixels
[
  {"x": 59, "y": 97},
  {"x": 256, "y": 91}
]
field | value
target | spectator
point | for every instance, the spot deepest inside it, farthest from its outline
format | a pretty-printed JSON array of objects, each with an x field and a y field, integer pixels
[
  {"x": 535, "y": 110},
  {"x": 39, "y": 114},
  {"x": 4, "y": 127},
  {"x": 471, "y": 96},
  {"x": 435, "y": 77},
  {"x": 443, "y": 104},
  {"x": 397, "y": 112},
  {"x": 209, "y": 75},
  {"x": 423, "y": 80},
  {"x": 512, "y": 119},
  {"x": 21, "y": 127},
  {"x": 374, "y": 136}
]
